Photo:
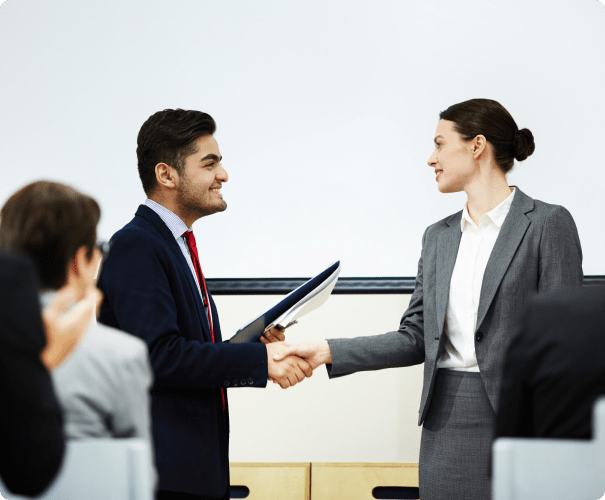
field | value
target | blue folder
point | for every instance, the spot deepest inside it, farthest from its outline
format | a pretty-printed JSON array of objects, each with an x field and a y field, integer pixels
[{"x": 253, "y": 331}]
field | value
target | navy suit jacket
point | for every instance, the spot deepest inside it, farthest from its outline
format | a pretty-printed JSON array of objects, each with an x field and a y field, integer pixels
[{"x": 151, "y": 293}]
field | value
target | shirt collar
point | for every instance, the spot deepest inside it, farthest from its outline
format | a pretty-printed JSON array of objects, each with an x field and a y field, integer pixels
[
  {"x": 175, "y": 224},
  {"x": 496, "y": 215}
]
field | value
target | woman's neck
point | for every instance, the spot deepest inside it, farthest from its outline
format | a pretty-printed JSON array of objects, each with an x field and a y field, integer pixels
[{"x": 486, "y": 193}]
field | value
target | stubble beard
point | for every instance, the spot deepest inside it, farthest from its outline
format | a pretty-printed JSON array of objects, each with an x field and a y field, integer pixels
[{"x": 191, "y": 205}]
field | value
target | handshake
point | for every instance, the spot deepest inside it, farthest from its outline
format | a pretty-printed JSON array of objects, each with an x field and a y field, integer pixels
[{"x": 289, "y": 364}]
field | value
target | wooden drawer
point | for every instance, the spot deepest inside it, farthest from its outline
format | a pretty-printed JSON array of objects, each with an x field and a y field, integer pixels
[
  {"x": 272, "y": 481},
  {"x": 356, "y": 481}
]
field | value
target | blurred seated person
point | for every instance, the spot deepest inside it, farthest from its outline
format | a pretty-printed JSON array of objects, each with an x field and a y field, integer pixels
[
  {"x": 32, "y": 443},
  {"x": 103, "y": 386},
  {"x": 555, "y": 367}
]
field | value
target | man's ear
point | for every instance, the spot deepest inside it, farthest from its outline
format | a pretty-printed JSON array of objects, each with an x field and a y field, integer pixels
[
  {"x": 478, "y": 146},
  {"x": 166, "y": 176}
]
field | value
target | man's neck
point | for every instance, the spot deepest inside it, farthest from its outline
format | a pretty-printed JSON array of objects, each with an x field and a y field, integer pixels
[
  {"x": 164, "y": 201},
  {"x": 170, "y": 204}
]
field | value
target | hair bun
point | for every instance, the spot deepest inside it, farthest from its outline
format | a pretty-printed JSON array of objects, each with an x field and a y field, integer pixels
[{"x": 523, "y": 144}]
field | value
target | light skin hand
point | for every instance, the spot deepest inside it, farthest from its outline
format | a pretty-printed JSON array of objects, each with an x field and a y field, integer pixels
[
  {"x": 65, "y": 329},
  {"x": 316, "y": 353},
  {"x": 273, "y": 335},
  {"x": 289, "y": 370}
]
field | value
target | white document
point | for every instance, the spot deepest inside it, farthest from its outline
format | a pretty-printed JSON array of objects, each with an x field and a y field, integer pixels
[{"x": 314, "y": 300}]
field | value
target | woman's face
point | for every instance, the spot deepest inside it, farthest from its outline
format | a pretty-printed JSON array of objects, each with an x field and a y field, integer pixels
[{"x": 452, "y": 159}]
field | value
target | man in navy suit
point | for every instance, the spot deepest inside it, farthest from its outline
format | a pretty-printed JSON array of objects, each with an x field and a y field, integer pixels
[{"x": 154, "y": 288}]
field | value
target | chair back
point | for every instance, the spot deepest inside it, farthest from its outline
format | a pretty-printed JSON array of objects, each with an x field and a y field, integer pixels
[
  {"x": 551, "y": 468},
  {"x": 101, "y": 469}
]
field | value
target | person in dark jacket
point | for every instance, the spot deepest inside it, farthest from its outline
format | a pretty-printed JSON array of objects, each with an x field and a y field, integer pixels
[
  {"x": 31, "y": 434},
  {"x": 554, "y": 369}
]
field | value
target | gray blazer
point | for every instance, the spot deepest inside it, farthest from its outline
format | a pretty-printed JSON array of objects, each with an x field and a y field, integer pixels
[
  {"x": 538, "y": 249},
  {"x": 103, "y": 387}
]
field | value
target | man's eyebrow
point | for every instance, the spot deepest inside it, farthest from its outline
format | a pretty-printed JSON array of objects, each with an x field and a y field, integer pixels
[
  {"x": 212, "y": 157},
  {"x": 435, "y": 139}
]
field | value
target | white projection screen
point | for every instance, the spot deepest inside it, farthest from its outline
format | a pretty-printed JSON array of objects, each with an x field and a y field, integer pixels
[{"x": 326, "y": 112}]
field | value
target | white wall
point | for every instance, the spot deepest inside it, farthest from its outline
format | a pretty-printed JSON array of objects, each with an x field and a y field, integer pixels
[
  {"x": 326, "y": 112},
  {"x": 364, "y": 417}
]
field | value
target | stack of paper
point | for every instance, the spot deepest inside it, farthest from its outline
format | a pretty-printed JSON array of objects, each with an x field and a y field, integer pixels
[{"x": 306, "y": 298}]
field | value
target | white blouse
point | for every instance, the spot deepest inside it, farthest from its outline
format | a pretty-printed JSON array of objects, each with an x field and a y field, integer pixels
[{"x": 476, "y": 245}]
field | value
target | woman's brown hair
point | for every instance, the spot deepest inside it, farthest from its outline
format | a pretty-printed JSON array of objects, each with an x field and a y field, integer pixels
[
  {"x": 48, "y": 222},
  {"x": 490, "y": 119}
]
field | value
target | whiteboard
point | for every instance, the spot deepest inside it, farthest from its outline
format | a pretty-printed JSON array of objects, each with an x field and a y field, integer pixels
[{"x": 326, "y": 111}]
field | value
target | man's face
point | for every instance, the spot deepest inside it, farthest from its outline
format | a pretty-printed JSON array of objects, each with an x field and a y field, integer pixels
[{"x": 203, "y": 175}]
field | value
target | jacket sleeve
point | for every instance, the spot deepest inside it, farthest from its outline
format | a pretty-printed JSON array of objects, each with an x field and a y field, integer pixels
[
  {"x": 31, "y": 432},
  {"x": 142, "y": 287},
  {"x": 405, "y": 347},
  {"x": 560, "y": 252}
]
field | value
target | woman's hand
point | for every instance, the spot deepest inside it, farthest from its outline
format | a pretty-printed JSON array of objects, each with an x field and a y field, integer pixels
[{"x": 65, "y": 321}]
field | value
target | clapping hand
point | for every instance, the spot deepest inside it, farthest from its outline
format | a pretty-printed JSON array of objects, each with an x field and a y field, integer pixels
[{"x": 65, "y": 321}]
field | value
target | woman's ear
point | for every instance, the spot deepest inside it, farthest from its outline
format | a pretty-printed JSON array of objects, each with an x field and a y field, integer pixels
[{"x": 478, "y": 146}]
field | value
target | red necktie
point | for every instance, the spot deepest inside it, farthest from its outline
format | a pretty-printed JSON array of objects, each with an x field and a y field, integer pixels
[{"x": 188, "y": 235}]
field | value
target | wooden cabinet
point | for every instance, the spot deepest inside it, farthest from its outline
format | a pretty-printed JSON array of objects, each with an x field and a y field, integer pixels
[{"x": 321, "y": 481}]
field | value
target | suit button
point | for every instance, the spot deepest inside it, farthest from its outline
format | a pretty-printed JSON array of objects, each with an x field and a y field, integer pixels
[
  {"x": 243, "y": 381},
  {"x": 226, "y": 383},
  {"x": 235, "y": 384},
  {"x": 479, "y": 336},
  {"x": 250, "y": 381}
]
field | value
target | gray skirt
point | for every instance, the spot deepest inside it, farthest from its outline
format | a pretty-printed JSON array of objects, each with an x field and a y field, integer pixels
[{"x": 456, "y": 439}]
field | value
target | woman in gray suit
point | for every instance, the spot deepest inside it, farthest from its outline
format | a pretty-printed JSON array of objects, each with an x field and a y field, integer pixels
[{"x": 476, "y": 271}]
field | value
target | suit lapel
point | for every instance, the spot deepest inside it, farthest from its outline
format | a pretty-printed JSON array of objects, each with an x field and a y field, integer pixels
[
  {"x": 156, "y": 221},
  {"x": 511, "y": 234},
  {"x": 447, "y": 251}
]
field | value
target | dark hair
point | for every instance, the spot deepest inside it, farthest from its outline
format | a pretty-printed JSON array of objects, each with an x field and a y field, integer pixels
[
  {"x": 490, "y": 119},
  {"x": 169, "y": 137},
  {"x": 48, "y": 222}
]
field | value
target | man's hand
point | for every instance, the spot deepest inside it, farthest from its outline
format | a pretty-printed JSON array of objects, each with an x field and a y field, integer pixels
[
  {"x": 64, "y": 325},
  {"x": 289, "y": 370},
  {"x": 274, "y": 334},
  {"x": 316, "y": 353}
]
